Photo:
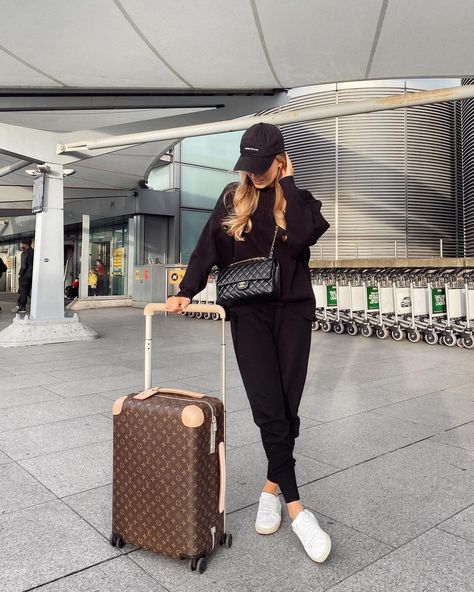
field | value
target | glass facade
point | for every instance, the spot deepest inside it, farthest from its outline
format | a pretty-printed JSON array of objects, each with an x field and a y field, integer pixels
[
  {"x": 200, "y": 187},
  {"x": 205, "y": 168},
  {"x": 109, "y": 258},
  {"x": 219, "y": 151},
  {"x": 161, "y": 178}
]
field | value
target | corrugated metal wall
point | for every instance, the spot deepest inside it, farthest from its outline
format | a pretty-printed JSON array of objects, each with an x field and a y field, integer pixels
[
  {"x": 467, "y": 150},
  {"x": 383, "y": 178}
]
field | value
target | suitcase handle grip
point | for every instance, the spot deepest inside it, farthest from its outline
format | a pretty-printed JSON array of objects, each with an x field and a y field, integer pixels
[
  {"x": 222, "y": 477},
  {"x": 153, "y": 307},
  {"x": 163, "y": 389}
]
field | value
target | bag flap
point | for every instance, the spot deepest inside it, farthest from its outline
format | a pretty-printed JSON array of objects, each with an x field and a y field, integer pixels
[{"x": 246, "y": 271}]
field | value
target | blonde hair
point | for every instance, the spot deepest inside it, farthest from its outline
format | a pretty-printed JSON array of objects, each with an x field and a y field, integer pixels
[{"x": 245, "y": 200}]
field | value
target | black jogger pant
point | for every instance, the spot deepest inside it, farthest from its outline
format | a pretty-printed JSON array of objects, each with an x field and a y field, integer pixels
[
  {"x": 24, "y": 290},
  {"x": 272, "y": 343}
]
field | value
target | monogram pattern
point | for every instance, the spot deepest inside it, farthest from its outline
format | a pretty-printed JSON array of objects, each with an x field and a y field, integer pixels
[{"x": 165, "y": 479}]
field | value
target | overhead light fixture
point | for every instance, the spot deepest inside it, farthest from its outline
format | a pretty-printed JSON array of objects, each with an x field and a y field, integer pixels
[{"x": 42, "y": 168}]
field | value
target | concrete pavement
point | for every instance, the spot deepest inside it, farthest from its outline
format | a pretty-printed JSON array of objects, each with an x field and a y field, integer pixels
[{"x": 385, "y": 459}]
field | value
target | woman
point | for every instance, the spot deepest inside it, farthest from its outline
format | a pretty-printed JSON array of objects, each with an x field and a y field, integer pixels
[{"x": 271, "y": 339}]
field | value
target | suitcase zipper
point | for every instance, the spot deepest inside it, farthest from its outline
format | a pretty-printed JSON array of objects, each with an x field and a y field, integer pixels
[
  {"x": 213, "y": 433},
  {"x": 213, "y": 532},
  {"x": 213, "y": 421}
]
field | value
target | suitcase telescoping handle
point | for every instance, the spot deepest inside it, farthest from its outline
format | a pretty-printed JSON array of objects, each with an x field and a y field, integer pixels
[{"x": 150, "y": 310}]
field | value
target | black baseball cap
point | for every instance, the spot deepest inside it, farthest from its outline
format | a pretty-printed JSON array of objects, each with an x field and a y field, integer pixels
[{"x": 258, "y": 147}]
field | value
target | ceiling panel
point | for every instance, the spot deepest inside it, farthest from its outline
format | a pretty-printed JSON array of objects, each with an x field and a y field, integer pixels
[
  {"x": 14, "y": 73},
  {"x": 425, "y": 39},
  {"x": 211, "y": 44},
  {"x": 82, "y": 43},
  {"x": 321, "y": 40},
  {"x": 71, "y": 120}
]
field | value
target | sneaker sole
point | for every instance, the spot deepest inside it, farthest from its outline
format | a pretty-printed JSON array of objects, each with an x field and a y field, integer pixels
[{"x": 267, "y": 529}]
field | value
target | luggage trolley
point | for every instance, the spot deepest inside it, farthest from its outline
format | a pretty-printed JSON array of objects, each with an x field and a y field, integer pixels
[
  {"x": 326, "y": 300},
  {"x": 358, "y": 318},
  {"x": 466, "y": 330}
]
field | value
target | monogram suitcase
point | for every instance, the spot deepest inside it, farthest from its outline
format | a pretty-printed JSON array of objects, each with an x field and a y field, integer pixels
[{"x": 169, "y": 465}]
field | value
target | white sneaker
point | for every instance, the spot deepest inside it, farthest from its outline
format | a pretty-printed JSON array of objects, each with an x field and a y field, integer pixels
[
  {"x": 15, "y": 308},
  {"x": 269, "y": 514},
  {"x": 315, "y": 541}
]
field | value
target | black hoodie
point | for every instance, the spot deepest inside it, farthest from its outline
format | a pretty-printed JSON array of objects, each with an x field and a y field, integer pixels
[{"x": 304, "y": 225}]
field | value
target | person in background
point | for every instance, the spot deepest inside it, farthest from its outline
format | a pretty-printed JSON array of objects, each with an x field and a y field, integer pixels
[
  {"x": 3, "y": 269},
  {"x": 25, "y": 276},
  {"x": 92, "y": 282},
  {"x": 101, "y": 277},
  {"x": 72, "y": 291}
]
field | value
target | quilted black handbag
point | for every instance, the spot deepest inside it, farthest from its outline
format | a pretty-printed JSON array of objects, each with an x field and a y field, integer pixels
[{"x": 250, "y": 280}]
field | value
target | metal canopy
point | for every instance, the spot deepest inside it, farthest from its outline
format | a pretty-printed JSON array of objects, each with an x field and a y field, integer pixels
[
  {"x": 103, "y": 68},
  {"x": 230, "y": 44}
]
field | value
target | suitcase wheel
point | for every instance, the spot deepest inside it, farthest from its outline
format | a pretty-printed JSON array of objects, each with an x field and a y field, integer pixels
[
  {"x": 199, "y": 565},
  {"x": 226, "y": 540},
  {"x": 116, "y": 541}
]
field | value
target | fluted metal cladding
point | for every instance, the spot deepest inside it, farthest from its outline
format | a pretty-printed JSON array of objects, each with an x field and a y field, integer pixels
[
  {"x": 467, "y": 150},
  {"x": 387, "y": 180}
]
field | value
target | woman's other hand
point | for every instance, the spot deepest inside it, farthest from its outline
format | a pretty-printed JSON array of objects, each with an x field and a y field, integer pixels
[
  {"x": 287, "y": 171},
  {"x": 177, "y": 304}
]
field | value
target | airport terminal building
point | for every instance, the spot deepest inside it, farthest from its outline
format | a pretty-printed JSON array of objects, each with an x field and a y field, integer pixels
[{"x": 394, "y": 184}]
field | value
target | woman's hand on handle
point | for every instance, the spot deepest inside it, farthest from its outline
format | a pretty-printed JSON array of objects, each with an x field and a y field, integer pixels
[{"x": 177, "y": 304}]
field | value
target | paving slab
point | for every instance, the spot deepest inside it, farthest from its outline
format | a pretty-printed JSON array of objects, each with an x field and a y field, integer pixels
[
  {"x": 19, "y": 489},
  {"x": 434, "y": 562},
  {"x": 246, "y": 479},
  {"x": 47, "y": 542},
  {"x": 462, "y": 524},
  {"x": 95, "y": 506},
  {"x": 338, "y": 401},
  {"x": 236, "y": 398},
  {"x": 49, "y": 363},
  {"x": 463, "y": 436},
  {"x": 23, "y": 416},
  {"x": 25, "y": 381},
  {"x": 96, "y": 370},
  {"x": 427, "y": 380},
  {"x": 358, "y": 438},
  {"x": 444, "y": 410},
  {"x": 241, "y": 429},
  {"x": 276, "y": 562},
  {"x": 75, "y": 470},
  {"x": 98, "y": 384},
  {"x": 119, "y": 574},
  {"x": 56, "y": 436},
  {"x": 4, "y": 459},
  {"x": 399, "y": 495},
  {"x": 26, "y": 396},
  {"x": 211, "y": 380}
]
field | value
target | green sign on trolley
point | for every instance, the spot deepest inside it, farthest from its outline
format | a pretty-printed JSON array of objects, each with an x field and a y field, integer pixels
[
  {"x": 438, "y": 299},
  {"x": 372, "y": 298},
  {"x": 331, "y": 296}
]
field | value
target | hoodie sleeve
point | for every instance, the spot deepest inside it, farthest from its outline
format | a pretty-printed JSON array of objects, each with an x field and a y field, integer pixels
[
  {"x": 304, "y": 222},
  {"x": 213, "y": 247}
]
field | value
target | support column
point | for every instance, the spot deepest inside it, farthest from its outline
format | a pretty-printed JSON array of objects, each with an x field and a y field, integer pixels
[
  {"x": 85, "y": 248},
  {"x": 131, "y": 254},
  {"x": 47, "y": 292},
  {"x": 47, "y": 322}
]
